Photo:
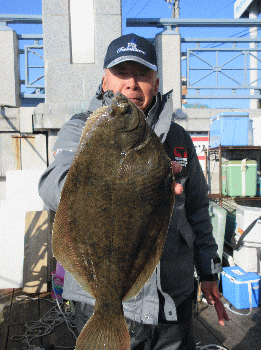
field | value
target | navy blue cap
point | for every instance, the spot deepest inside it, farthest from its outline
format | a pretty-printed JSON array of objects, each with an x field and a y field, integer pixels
[{"x": 131, "y": 47}]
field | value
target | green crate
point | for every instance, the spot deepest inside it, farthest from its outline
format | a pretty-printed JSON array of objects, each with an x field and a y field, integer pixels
[
  {"x": 218, "y": 217},
  {"x": 239, "y": 178}
]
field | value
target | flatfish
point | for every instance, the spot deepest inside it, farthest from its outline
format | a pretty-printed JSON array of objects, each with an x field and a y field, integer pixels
[{"x": 113, "y": 216}]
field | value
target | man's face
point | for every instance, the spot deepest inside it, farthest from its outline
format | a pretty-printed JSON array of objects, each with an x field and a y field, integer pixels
[{"x": 135, "y": 81}]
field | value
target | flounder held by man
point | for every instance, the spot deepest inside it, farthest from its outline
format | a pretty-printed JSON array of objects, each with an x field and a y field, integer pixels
[{"x": 113, "y": 216}]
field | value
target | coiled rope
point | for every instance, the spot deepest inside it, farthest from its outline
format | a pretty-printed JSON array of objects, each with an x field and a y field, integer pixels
[
  {"x": 45, "y": 325},
  {"x": 209, "y": 347}
]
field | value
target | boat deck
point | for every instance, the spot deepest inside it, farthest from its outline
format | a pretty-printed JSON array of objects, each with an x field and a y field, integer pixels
[{"x": 240, "y": 333}]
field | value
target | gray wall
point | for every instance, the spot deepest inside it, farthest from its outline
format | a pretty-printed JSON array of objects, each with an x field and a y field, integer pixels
[
  {"x": 20, "y": 148},
  {"x": 53, "y": 116},
  {"x": 9, "y": 67},
  {"x": 67, "y": 82}
]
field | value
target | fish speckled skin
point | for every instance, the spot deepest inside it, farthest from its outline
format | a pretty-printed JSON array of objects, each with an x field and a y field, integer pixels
[{"x": 113, "y": 216}]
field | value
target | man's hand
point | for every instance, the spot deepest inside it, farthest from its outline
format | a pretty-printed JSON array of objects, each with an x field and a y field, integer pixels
[
  {"x": 211, "y": 293},
  {"x": 177, "y": 188}
]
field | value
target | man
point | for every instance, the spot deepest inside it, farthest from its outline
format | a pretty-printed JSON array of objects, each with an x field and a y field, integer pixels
[{"x": 160, "y": 316}]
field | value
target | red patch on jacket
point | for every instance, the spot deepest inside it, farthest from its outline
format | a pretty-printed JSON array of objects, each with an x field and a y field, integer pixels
[
  {"x": 180, "y": 152},
  {"x": 181, "y": 156}
]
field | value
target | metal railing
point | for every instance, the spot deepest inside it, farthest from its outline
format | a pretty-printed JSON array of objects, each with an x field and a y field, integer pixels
[
  {"x": 35, "y": 50},
  {"x": 170, "y": 23},
  {"x": 217, "y": 73},
  {"x": 18, "y": 19},
  {"x": 222, "y": 69},
  {"x": 31, "y": 56},
  {"x": 214, "y": 68}
]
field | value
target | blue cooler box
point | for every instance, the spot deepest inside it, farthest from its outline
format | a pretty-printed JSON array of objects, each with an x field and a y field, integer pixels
[
  {"x": 235, "y": 283},
  {"x": 230, "y": 129}
]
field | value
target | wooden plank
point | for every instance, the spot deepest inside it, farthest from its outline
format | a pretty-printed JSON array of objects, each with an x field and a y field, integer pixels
[
  {"x": 250, "y": 341},
  {"x": 17, "y": 332},
  {"x": 202, "y": 335},
  {"x": 231, "y": 335},
  {"x": 251, "y": 325},
  {"x": 14, "y": 331},
  {"x": 5, "y": 307},
  {"x": 3, "y": 336},
  {"x": 23, "y": 309},
  {"x": 36, "y": 251},
  {"x": 5, "y": 304},
  {"x": 60, "y": 335},
  {"x": 32, "y": 310},
  {"x": 240, "y": 333},
  {"x": 245, "y": 322},
  {"x": 46, "y": 304},
  {"x": 207, "y": 316}
]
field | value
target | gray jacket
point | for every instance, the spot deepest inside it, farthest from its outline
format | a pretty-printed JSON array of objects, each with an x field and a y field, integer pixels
[{"x": 189, "y": 243}]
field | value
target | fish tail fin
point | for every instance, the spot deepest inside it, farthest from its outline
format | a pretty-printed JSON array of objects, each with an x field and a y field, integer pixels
[{"x": 104, "y": 333}]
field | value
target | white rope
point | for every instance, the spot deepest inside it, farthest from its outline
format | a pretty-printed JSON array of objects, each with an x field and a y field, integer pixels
[
  {"x": 209, "y": 347},
  {"x": 36, "y": 329}
]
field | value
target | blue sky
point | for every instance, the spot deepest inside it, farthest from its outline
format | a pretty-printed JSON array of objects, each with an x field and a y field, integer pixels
[
  {"x": 188, "y": 9},
  {"x": 151, "y": 8},
  {"x": 139, "y": 9}
]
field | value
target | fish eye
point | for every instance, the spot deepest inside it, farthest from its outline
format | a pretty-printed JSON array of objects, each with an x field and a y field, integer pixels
[
  {"x": 124, "y": 108},
  {"x": 112, "y": 111}
]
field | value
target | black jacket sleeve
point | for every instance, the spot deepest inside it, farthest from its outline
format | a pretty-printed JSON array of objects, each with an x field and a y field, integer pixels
[{"x": 194, "y": 202}]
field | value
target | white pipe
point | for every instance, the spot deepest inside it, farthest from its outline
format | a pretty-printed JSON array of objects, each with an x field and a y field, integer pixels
[{"x": 253, "y": 63}]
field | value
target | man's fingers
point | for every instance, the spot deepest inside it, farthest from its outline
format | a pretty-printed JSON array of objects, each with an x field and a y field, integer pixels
[
  {"x": 177, "y": 167},
  {"x": 177, "y": 188},
  {"x": 212, "y": 295},
  {"x": 221, "y": 312},
  {"x": 210, "y": 301}
]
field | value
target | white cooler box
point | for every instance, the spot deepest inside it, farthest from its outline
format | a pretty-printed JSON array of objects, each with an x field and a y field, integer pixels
[
  {"x": 244, "y": 217},
  {"x": 248, "y": 255}
]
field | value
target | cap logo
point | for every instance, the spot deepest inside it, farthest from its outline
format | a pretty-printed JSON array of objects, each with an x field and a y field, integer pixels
[{"x": 132, "y": 46}]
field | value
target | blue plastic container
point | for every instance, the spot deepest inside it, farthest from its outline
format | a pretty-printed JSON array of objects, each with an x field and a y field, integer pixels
[
  {"x": 235, "y": 287},
  {"x": 230, "y": 129}
]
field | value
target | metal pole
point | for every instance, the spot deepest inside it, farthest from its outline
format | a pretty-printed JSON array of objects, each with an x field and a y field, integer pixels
[
  {"x": 253, "y": 61},
  {"x": 175, "y": 13}
]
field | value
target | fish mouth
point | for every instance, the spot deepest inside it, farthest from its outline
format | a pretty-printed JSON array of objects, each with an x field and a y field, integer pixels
[{"x": 137, "y": 100}]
